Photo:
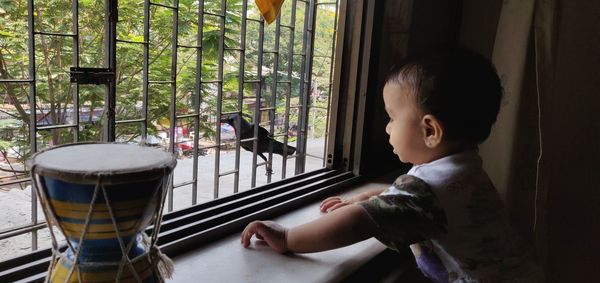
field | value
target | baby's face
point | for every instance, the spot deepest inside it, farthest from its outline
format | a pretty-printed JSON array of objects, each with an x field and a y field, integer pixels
[{"x": 404, "y": 127}]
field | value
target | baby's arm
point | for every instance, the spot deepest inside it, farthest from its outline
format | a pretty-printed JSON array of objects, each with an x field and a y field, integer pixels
[
  {"x": 332, "y": 203},
  {"x": 342, "y": 227}
]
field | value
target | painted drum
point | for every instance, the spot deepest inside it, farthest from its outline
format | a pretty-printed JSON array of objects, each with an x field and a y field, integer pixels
[{"x": 101, "y": 197}]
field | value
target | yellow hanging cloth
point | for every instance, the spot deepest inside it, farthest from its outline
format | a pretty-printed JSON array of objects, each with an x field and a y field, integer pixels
[{"x": 269, "y": 9}]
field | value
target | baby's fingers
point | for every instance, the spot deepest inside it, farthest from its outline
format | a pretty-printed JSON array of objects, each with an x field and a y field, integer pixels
[
  {"x": 330, "y": 199},
  {"x": 326, "y": 204},
  {"x": 248, "y": 232},
  {"x": 336, "y": 206}
]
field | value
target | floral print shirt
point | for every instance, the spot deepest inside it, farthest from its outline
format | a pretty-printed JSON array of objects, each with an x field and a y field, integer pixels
[{"x": 451, "y": 215}]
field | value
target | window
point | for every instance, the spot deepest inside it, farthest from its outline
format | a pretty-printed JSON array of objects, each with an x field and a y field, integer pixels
[{"x": 166, "y": 74}]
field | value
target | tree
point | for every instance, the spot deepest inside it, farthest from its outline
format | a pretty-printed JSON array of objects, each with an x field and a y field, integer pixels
[{"x": 54, "y": 55}]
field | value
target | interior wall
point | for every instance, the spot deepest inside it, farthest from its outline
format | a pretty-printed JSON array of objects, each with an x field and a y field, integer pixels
[
  {"x": 478, "y": 25},
  {"x": 568, "y": 194},
  {"x": 571, "y": 145}
]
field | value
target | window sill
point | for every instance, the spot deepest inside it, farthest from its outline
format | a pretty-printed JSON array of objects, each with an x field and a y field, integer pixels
[
  {"x": 204, "y": 242},
  {"x": 226, "y": 260}
]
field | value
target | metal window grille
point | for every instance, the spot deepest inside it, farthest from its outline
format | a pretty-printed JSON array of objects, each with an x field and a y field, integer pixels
[{"x": 92, "y": 106}]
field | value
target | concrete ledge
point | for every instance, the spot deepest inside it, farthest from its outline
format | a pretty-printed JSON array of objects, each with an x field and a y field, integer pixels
[{"x": 226, "y": 260}]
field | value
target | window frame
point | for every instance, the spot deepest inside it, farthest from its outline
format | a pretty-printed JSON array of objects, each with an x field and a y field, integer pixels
[{"x": 202, "y": 223}]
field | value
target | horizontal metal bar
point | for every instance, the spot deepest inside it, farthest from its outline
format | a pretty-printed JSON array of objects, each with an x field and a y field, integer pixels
[
  {"x": 270, "y": 52},
  {"x": 252, "y": 82},
  {"x": 184, "y": 184},
  {"x": 209, "y": 147},
  {"x": 248, "y": 139},
  {"x": 14, "y": 182},
  {"x": 280, "y": 135},
  {"x": 189, "y": 46},
  {"x": 186, "y": 116},
  {"x": 163, "y": 5},
  {"x": 20, "y": 230},
  {"x": 297, "y": 180},
  {"x": 236, "y": 49},
  {"x": 245, "y": 97},
  {"x": 16, "y": 80},
  {"x": 211, "y": 82},
  {"x": 318, "y": 107},
  {"x": 181, "y": 142},
  {"x": 286, "y": 26},
  {"x": 262, "y": 163},
  {"x": 161, "y": 82},
  {"x": 284, "y": 82},
  {"x": 314, "y": 156},
  {"x": 267, "y": 108},
  {"x": 228, "y": 173},
  {"x": 254, "y": 20},
  {"x": 322, "y": 56},
  {"x": 132, "y": 42},
  {"x": 232, "y": 112},
  {"x": 54, "y": 34},
  {"x": 326, "y": 3},
  {"x": 214, "y": 14},
  {"x": 88, "y": 75},
  {"x": 44, "y": 128},
  {"x": 130, "y": 121},
  {"x": 299, "y": 54}
]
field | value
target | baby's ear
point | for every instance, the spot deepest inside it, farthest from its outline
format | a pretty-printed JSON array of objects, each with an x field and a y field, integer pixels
[{"x": 432, "y": 130}]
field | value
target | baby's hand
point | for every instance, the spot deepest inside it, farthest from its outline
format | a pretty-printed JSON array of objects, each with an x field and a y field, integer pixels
[
  {"x": 332, "y": 203},
  {"x": 274, "y": 234}
]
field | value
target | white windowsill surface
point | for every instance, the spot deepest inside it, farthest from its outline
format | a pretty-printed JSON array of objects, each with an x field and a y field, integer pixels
[{"x": 226, "y": 260}]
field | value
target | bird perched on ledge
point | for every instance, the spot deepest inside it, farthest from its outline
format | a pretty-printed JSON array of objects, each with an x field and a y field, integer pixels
[{"x": 246, "y": 131}]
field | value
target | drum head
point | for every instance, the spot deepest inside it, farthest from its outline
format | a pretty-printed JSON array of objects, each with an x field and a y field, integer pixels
[{"x": 114, "y": 163}]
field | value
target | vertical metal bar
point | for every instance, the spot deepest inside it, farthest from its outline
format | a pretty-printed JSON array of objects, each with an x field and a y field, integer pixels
[
  {"x": 299, "y": 132},
  {"x": 272, "y": 111},
  {"x": 358, "y": 8},
  {"x": 219, "y": 99},
  {"x": 307, "y": 47},
  {"x": 76, "y": 64},
  {"x": 32, "y": 109},
  {"x": 330, "y": 84},
  {"x": 172, "y": 107},
  {"x": 145, "y": 70},
  {"x": 261, "y": 36},
  {"x": 332, "y": 159},
  {"x": 198, "y": 99},
  {"x": 359, "y": 113},
  {"x": 240, "y": 97},
  {"x": 110, "y": 33},
  {"x": 286, "y": 115}
]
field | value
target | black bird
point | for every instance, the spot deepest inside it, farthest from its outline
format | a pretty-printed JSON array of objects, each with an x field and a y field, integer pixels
[{"x": 246, "y": 131}]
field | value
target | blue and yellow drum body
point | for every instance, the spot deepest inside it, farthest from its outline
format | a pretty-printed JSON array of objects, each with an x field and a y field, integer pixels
[{"x": 104, "y": 213}]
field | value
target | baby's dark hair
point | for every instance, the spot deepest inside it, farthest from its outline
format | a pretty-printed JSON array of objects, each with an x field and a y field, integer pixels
[{"x": 456, "y": 85}]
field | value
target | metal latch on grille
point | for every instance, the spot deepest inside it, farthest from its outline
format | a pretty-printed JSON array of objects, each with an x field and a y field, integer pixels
[{"x": 92, "y": 75}]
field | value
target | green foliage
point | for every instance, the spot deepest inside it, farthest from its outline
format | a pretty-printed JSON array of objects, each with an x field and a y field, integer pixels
[{"x": 54, "y": 56}]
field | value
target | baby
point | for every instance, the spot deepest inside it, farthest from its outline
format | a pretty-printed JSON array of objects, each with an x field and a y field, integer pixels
[{"x": 441, "y": 106}]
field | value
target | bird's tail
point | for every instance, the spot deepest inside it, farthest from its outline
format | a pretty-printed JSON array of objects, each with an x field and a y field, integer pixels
[{"x": 278, "y": 148}]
